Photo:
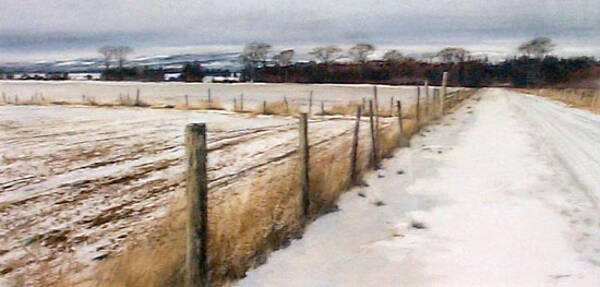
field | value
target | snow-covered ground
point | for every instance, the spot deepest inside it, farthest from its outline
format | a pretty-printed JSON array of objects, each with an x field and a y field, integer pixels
[
  {"x": 503, "y": 192},
  {"x": 174, "y": 93},
  {"x": 77, "y": 183}
]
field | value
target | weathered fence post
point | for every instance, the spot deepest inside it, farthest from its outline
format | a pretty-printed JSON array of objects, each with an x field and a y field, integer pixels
[
  {"x": 137, "y": 97},
  {"x": 310, "y": 100},
  {"x": 322, "y": 108},
  {"x": 16, "y": 99},
  {"x": 4, "y": 97},
  {"x": 304, "y": 163},
  {"x": 187, "y": 101},
  {"x": 392, "y": 106},
  {"x": 374, "y": 152},
  {"x": 418, "y": 107},
  {"x": 401, "y": 138},
  {"x": 354, "y": 152},
  {"x": 209, "y": 96},
  {"x": 444, "y": 91},
  {"x": 196, "y": 268},
  {"x": 438, "y": 95},
  {"x": 375, "y": 97},
  {"x": 264, "y": 107},
  {"x": 364, "y": 103},
  {"x": 287, "y": 105},
  {"x": 242, "y": 102},
  {"x": 427, "y": 102},
  {"x": 234, "y": 104}
]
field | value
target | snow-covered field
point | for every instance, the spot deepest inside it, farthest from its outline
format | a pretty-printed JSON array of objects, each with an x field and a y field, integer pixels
[
  {"x": 503, "y": 192},
  {"x": 77, "y": 182},
  {"x": 174, "y": 93}
]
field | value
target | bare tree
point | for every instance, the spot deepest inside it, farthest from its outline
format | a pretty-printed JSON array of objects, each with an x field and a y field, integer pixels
[
  {"x": 393, "y": 56},
  {"x": 326, "y": 54},
  {"x": 360, "y": 52},
  {"x": 107, "y": 53},
  {"x": 537, "y": 47},
  {"x": 120, "y": 53},
  {"x": 453, "y": 55},
  {"x": 284, "y": 58},
  {"x": 254, "y": 53}
]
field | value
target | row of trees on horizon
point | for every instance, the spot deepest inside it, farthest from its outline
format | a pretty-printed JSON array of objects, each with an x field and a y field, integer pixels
[
  {"x": 331, "y": 64},
  {"x": 534, "y": 67}
]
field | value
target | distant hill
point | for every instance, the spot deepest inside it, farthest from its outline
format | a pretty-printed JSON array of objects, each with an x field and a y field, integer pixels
[{"x": 229, "y": 61}]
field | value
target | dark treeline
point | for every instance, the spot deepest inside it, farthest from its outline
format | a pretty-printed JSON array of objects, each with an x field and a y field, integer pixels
[
  {"x": 534, "y": 68},
  {"x": 518, "y": 72},
  {"x": 133, "y": 74}
]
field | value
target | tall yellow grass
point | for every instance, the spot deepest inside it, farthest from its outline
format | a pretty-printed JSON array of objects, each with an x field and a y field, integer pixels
[
  {"x": 277, "y": 108},
  {"x": 588, "y": 99},
  {"x": 247, "y": 219}
]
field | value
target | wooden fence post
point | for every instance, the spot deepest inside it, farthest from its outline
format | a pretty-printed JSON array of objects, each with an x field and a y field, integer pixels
[
  {"x": 374, "y": 149},
  {"x": 354, "y": 152},
  {"x": 418, "y": 107},
  {"x": 209, "y": 96},
  {"x": 196, "y": 268},
  {"x": 322, "y": 108},
  {"x": 287, "y": 105},
  {"x": 187, "y": 101},
  {"x": 16, "y": 99},
  {"x": 137, "y": 97},
  {"x": 375, "y": 97},
  {"x": 401, "y": 138},
  {"x": 264, "y": 107},
  {"x": 392, "y": 106},
  {"x": 310, "y": 100},
  {"x": 4, "y": 97},
  {"x": 242, "y": 102},
  {"x": 436, "y": 105},
  {"x": 364, "y": 103},
  {"x": 427, "y": 102},
  {"x": 304, "y": 164},
  {"x": 234, "y": 104},
  {"x": 444, "y": 92}
]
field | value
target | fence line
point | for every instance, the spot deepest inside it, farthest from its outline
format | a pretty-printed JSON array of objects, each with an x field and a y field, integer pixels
[{"x": 305, "y": 150}]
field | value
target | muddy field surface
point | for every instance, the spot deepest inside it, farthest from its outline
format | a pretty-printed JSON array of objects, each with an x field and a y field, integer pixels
[{"x": 77, "y": 182}]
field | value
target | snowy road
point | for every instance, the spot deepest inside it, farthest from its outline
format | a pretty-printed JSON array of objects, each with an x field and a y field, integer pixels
[{"x": 503, "y": 192}]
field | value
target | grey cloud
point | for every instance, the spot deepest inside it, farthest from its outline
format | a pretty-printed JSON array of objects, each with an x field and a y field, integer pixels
[{"x": 37, "y": 25}]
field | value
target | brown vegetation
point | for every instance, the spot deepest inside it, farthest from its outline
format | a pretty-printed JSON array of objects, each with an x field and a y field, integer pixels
[
  {"x": 587, "y": 99},
  {"x": 251, "y": 218},
  {"x": 277, "y": 108}
]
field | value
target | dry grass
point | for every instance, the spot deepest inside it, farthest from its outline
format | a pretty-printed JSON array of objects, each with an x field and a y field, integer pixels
[
  {"x": 248, "y": 219},
  {"x": 202, "y": 105},
  {"x": 588, "y": 99},
  {"x": 277, "y": 108},
  {"x": 34, "y": 100},
  {"x": 130, "y": 102},
  {"x": 154, "y": 261},
  {"x": 348, "y": 109},
  {"x": 212, "y": 105}
]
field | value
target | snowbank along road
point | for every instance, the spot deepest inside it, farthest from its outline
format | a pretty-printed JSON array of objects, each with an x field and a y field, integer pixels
[{"x": 502, "y": 192}]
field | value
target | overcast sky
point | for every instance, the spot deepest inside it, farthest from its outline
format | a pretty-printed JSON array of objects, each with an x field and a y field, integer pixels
[{"x": 38, "y": 29}]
